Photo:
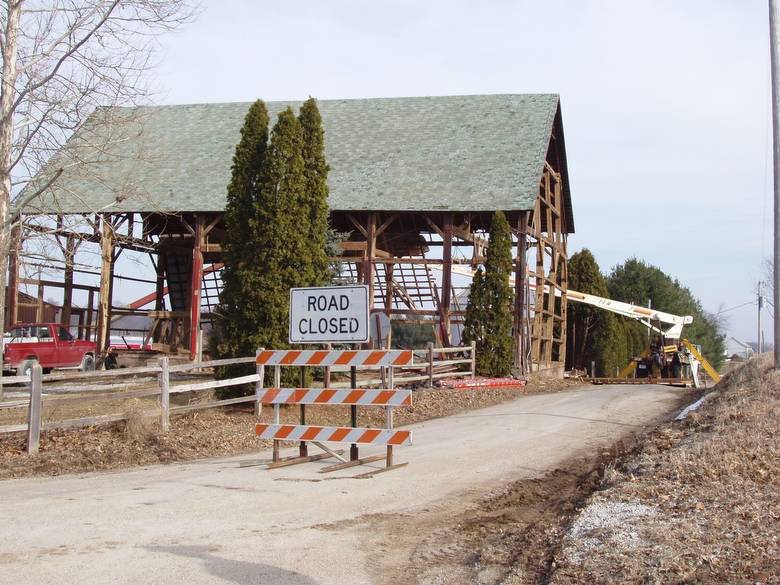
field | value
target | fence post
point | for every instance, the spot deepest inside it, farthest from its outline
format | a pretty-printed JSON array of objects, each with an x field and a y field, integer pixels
[
  {"x": 34, "y": 419},
  {"x": 260, "y": 370},
  {"x": 430, "y": 364},
  {"x": 473, "y": 359},
  {"x": 165, "y": 397}
]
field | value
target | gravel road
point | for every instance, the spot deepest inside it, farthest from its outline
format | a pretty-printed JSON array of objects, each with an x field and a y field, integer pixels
[{"x": 215, "y": 521}]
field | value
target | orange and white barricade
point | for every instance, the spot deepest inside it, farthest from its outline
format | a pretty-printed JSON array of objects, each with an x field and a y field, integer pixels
[{"x": 386, "y": 398}]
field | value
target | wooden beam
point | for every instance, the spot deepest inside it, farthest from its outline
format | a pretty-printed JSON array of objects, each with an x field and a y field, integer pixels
[
  {"x": 386, "y": 224},
  {"x": 446, "y": 281},
  {"x": 67, "y": 296},
  {"x": 197, "y": 277},
  {"x": 521, "y": 282},
  {"x": 159, "y": 293},
  {"x": 357, "y": 224},
  {"x": 106, "y": 270}
]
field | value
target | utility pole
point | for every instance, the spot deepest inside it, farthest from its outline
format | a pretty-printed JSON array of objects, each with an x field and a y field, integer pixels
[
  {"x": 774, "y": 51},
  {"x": 759, "y": 345}
]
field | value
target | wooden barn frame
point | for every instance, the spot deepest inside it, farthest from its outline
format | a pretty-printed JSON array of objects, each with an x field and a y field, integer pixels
[{"x": 416, "y": 224}]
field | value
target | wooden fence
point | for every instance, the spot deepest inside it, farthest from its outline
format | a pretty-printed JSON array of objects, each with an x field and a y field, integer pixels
[{"x": 155, "y": 381}]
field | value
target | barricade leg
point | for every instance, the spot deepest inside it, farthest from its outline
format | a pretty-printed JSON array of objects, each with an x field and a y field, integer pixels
[
  {"x": 354, "y": 455},
  {"x": 277, "y": 409},
  {"x": 303, "y": 449}
]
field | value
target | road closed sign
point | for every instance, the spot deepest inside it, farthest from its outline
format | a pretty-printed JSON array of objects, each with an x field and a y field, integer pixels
[{"x": 336, "y": 314}]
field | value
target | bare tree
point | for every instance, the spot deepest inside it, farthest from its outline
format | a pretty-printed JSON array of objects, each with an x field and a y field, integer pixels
[{"x": 62, "y": 59}]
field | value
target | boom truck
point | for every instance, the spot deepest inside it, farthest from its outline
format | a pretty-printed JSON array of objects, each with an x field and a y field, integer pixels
[
  {"x": 670, "y": 338},
  {"x": 667, "y": 326}
]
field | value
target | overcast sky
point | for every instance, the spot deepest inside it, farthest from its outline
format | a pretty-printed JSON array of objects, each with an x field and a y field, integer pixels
[{"x": 666, "y": 105}]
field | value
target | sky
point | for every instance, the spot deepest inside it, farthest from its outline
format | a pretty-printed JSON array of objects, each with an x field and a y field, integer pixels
[{"x": 666, "y": 105}]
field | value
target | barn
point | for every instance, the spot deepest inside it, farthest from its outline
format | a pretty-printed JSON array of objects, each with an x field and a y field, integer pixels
[{"x": 414, "y": 181}]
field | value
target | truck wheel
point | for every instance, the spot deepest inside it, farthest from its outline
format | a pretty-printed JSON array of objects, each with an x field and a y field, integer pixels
[
  {"x": 26, "y": 368},
  {"x": 88, "y": 364}
]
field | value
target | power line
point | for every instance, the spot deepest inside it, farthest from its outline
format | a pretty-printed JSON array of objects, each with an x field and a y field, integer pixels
[{"x": 737, "y": 307}]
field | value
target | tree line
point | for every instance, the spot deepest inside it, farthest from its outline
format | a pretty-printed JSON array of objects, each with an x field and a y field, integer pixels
[{"x": 609, "y": 340}]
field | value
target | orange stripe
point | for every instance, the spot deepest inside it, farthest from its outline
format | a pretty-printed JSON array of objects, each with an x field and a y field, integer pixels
[
  {"x": 324, "y": 396},
  {"x": 264, "y": 357},
  {"x": 260, "y": 429},
  {"x": 408, "y": 399},
  {"x": 383, "y": 397},
  {"x": 339, "y": 434},
  {"x": 345, "y": 358},
  {"x": 354, "y": 396},
  {"x": 269, "y": 395},
  {"x": 404, "y": 358},
  {"x": 398, "y": 438},
  {"x": 297, "y": 395},
  {"x": 311, "y": 434},
  {"x": 284, "y": 431},
  {"x": 290, "y": 358},
  {"x": 368, "y": 436},
  {"x": 374, "y": 357},
  {"x": 317, "y": 357}
]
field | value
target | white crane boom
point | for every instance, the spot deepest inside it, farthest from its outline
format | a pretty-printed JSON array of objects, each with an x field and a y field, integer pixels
[{"x": 645, "y": 315}]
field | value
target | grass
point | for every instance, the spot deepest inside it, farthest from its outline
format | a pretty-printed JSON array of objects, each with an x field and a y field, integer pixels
[{"x": 714, "y": 484}]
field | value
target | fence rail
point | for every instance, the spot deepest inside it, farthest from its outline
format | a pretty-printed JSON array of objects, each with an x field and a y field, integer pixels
[{"x": 150, "y": 381}]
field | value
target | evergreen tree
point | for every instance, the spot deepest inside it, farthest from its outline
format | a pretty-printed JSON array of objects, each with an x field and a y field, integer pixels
[
  {"x": 280, "y": 232},
  {"x": 593, "y": 334},
  {"x": 474, "y": 322},
  {"x": 231, "y": 336},
  {"x": 490, "y": 304},
  {"x": 315, "y": 194}
]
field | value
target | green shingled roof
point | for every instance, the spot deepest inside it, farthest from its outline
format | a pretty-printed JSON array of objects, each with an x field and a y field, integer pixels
[{"x": 459, "y": 153}]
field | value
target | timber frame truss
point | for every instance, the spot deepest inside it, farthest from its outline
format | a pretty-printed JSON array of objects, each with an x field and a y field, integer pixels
[{"x": 416, "y": 265}]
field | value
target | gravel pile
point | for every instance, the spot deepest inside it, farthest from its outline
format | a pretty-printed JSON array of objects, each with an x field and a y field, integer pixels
[{"x": 605, "y": 523}]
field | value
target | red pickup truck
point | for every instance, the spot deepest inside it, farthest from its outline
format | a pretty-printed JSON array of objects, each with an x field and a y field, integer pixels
[{"x": 49, "y": 344}]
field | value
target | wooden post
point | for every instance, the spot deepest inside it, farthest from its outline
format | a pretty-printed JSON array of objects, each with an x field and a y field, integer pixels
[
  {"x": 106, "y": 270},
  {"x": 260, "y": 370},
  {"x": 446, "y": 282},
  {"x": 430, "y": 364},
  {"x": 39, "y": 306},
  {"x": 473, "y": 359},
  {"x": 165, "y": 397},
  {"x": 368, "y": 263},
  {"x": 521, "y": 284},
  {"x": 389, "y": 269},
  {"x": 67, "y": 295},
  {"x": 159, "y": 294},
  {"x": 197, "y": 277},
  {"x": 89, "y": 334},
  {"x": 34, "y": 418}
]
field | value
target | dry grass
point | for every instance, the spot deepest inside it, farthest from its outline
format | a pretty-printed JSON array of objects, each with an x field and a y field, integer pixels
[{"x": 714, "y": 484}]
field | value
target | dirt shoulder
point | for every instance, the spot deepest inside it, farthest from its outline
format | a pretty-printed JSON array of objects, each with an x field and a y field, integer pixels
[
  {"x": 509, "y": 535},
  {"x": 686, "y": 502},
  {"x": 220, "y": 432},
  {"x": 697, "y": 503}
]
